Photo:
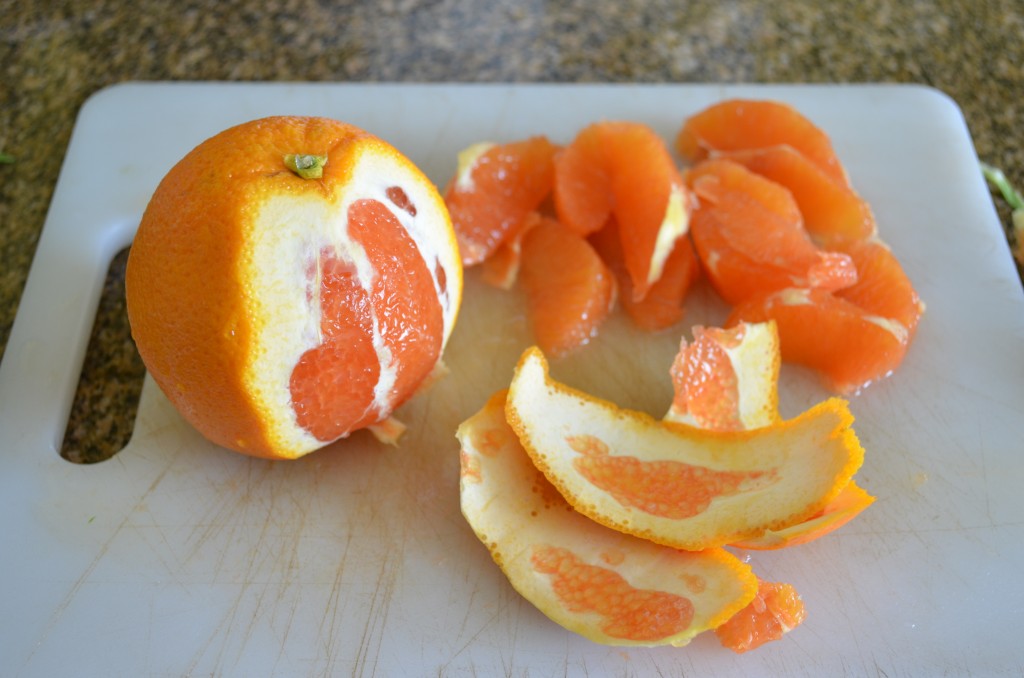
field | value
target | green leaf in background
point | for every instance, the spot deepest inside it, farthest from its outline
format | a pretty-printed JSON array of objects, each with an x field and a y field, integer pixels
[
  {"x": 6, "y": 159},
  {"x": 998, "y": 180}
]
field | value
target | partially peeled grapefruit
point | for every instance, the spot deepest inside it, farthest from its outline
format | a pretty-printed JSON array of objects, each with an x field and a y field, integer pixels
[{"x": 293, "y": 279}]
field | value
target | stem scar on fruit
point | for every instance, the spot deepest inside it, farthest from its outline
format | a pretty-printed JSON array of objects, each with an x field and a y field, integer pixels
[{"x": 306, "y": 166}]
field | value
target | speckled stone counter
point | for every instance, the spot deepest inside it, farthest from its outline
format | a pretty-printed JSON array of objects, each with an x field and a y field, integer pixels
[{"x": 54, "y": 54}]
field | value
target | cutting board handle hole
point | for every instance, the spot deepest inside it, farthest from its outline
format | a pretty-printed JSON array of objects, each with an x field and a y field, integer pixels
[{"x": 106, "y": 400}]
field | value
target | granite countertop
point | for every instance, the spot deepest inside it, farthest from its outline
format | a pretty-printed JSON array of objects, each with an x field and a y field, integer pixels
[{"x": 55, "y": 54}]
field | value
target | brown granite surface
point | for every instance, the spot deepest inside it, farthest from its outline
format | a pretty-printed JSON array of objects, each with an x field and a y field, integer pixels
[{"x": 55, "y": 53}]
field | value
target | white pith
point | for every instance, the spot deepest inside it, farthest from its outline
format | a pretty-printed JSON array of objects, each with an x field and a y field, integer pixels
[
  {"x": 755, "y": 362},
  {"x": 893, "y": 327},
  {"x": 795, "y": 296},
  {"x": 289, "y": 231},
  {"x": 674, "y": 225},
  {"x": 467, "y": 159}
]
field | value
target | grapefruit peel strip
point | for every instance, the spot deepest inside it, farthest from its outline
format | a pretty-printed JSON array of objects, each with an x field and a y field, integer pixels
[
  {"x": 756, "y": 361},
  {"x": 647, "y": 594},
  {"x": 800, "y": 465},
  {"x": 841, "y": 510}
]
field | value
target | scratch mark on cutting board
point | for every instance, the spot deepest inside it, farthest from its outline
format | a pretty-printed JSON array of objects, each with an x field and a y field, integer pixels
[
  {"x": 328, "y": 623},
  {"x": 275, "y": 550},
  {"x": 227, "y": 621},
  {"x": 61, "y": 608},
  {"x": 499, "y": 613},
  {"x": 294, "y": 565},
  {"x": 380, "y": 604}
]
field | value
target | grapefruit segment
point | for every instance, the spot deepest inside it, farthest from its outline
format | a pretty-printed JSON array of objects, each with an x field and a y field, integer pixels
[
  {"x": 501, "y": 269},
  {"x": 829, "y": 208},
  {"x": 742, "y": 124},
  {"x": 675, "y": 484},
  {"x": 583, "y": 184},
  {"x": 775, "y": 610},
  {"x": 623, "y": 169},
  {"x": 853, "y": 337},
  {"x": 846, "y": 346},
  {"x": 662, "y": 306},
  {"x": 606, "y": 586},
  {"x": 569, "y": 290},
  {"x": 652, "y": 207},
  {"x": 750, "y": 237},
  {"x": 494, "y": 188},
  {"x": 883, "y": 289}
]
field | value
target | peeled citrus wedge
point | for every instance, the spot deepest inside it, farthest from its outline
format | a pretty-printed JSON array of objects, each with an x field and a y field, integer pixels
[
  {"x": 663, "y": 305},
  {"x": 569, "y": 290},
  {"x": 624, "y": 169},
  {"x": 741, "y": 124},
  {"x": 830, "y": 208},
  {"x": 727, "y": 379},
  {"x": 675, "y": 484},
  {"x": 501, "y": 269},
  {"x": 292, "y": 280},
  {"x": 750, "y": 236},
  {"x": 776, "y": 610},
  {"x": 606, "y": 586},
  {"x": 494, "y": 188},
  {"x": 848, "y": 347}
]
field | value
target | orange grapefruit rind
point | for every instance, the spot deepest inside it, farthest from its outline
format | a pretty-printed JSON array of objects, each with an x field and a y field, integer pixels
[
  {"x": 841, "y": 510},
  {"x": 606, "y": 586},
  {"x": 727, "y": 379},
  {"x": 675, "y": 484}
]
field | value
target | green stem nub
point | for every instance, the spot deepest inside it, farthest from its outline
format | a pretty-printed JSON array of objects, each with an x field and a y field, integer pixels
[
  {"x": 998, "y": 180},
  {"x": 306, "y": 166}
]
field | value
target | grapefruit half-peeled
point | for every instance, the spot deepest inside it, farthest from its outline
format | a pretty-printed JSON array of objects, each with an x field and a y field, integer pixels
[{"x": 293, "y": 279}]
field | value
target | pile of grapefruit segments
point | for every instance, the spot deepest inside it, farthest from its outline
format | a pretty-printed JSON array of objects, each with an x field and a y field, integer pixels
[
  {"x": 763, "y": 209},
  {"x": 615, "y": 524}
]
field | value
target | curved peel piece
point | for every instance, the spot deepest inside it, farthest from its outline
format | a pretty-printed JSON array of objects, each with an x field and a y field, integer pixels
[
  {"x": 727, "y": 379},
  {"x": 841, "y": 510},
  {"x": 604, "y": 585},
  {"x": 675, "y": 484}
]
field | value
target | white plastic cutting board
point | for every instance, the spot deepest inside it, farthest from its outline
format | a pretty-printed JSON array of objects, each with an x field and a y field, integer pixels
[{"x": 178, "y": 558}]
